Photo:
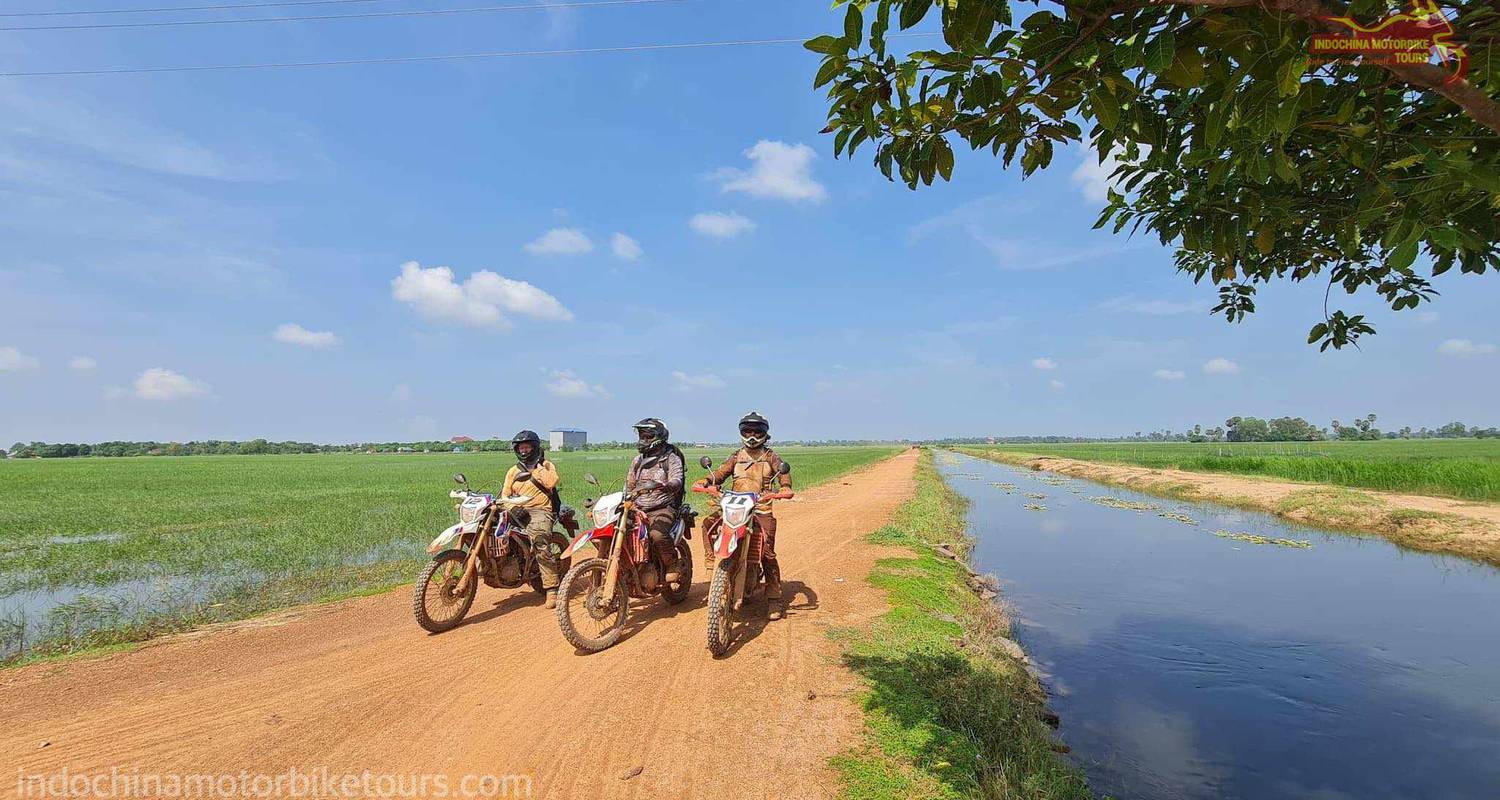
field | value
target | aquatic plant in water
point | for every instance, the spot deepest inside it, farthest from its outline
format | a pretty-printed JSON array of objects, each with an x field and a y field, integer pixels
[{"x": 1255, "y": 538}]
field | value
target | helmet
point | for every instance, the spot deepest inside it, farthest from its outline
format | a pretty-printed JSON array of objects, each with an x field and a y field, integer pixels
[
  {"x": 536, "y": 447},
  {"x": 652, "y": 434},
  {"x": 755, "y": 430}
]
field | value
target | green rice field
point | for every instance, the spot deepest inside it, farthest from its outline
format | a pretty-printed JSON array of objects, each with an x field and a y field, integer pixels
[
  {"x": 103, "y": 550},
  {"x": 1468, "y": 469}
]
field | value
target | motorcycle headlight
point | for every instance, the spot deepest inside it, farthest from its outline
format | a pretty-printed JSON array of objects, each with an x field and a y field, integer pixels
[
  {"x": 602, "y": 517},
  {"x": 736, "y": 517}
]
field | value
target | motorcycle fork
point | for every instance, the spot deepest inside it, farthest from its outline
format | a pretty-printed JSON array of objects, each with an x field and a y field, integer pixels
[
  {"x": 471, "y": 564},
  {"x": 616, "y": 544}
]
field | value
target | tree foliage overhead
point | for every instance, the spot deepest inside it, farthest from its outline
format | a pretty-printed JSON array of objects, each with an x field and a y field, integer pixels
[{"x": 1225, "y": 140}]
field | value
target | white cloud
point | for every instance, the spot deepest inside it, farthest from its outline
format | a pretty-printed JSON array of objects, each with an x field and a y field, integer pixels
[
  {"x": 1152, "y": 307},
  {"x": 778, "y": 170},
  {"x": 1020, "y": 254},
  {"x": 721, "y": 225},
  {"x": 625, "y": 247},
  {"x": 82, "y": 364},
  {"x": 1044, "y": 363},
  {"x": 683, "y": 382},
  {"x": 1092, "y": 176},
  {"x": 561, "y": 242},
  {"x": 1169, "y": 374},
  {"x": 1057, "y": 384},
  {"x": 164, "y": 384},
  {"x": 1464, "y": 348},
  {"x": 13, "y": 360},
  {"x": 478, "y": 302},
  {"x": 292, "y": 333},
  {"x": 1220, "y": 366},
  {"x": 565, "y": 383},
  {"x": 401, "y": 394}
]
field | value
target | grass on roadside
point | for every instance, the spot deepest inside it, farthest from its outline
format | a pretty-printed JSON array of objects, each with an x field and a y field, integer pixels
[
  {"x": 1468, "y": 469},
  {"x": 948, "y": 713}
]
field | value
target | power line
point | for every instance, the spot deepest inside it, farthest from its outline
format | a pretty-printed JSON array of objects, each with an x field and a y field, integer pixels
[
  {"x": 635, "y": 48},
  {"x": 165, "y": 9},
  {"x": 366, "y": 15}
]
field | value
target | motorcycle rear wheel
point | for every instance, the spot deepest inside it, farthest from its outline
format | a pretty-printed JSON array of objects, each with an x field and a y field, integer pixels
[
  {"x": 439, "y": 603},
  {"x": 720, "y": 615},
  {"x": 588, "y": 622},
  {"x": 675, "y": 592}
]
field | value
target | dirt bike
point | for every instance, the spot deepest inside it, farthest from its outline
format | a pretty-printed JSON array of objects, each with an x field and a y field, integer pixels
[
  {"x": 593, "y": 600},
  {"x": 490, "y": 543},
  {"x": 737, "y": 546}
]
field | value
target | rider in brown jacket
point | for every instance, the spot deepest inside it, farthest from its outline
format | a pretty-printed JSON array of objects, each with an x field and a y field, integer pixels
[{"x": 754, "y": 468}]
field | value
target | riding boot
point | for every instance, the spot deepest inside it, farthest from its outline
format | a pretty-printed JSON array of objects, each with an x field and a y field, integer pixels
[
  {"x": 666, "y": 553},
  {"x": 551, "y": 598},
  {"x": 773, "y": 581}
]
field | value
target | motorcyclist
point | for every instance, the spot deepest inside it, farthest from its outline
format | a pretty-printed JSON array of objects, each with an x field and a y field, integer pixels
[
  {"x": 535, "y": 477},
  {"x": 656, "y": 477},
  {"x": 754, "y": 468}
]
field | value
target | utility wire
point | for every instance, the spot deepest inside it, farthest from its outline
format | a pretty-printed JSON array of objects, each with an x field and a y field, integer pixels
[
  {"x": 635, "y": 48},
  {"x": 366, "y": 15},
  {"x": 165, "y": 9}
]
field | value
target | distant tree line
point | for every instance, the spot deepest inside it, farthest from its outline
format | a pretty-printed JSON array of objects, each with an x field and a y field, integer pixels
[
  {"x": 1255, "y": 429},
  {"x": 218, "y": 447}
]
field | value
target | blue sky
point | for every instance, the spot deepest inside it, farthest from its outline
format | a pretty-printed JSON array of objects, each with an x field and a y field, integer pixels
[{"x": 241, "y": 254}]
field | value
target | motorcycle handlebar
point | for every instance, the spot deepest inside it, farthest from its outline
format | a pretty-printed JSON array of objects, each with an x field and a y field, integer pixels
[
  {"x": 707, "y": 490},
  {"x": 778, "y": 496}
]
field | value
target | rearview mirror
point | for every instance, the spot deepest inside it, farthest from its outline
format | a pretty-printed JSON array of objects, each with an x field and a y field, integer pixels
[
  {"x": 706, "y": 462},
  {"x": 458, "y": 477},
  {"x": 785, "y": 468},
  {"x": 588, "y": 477}
]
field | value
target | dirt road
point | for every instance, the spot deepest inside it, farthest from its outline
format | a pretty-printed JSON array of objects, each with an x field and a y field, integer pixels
[{"x": 356, "y": 685}]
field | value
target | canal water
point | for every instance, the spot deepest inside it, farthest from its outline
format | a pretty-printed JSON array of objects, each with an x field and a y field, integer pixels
[{"x": 1196, "y": 651}]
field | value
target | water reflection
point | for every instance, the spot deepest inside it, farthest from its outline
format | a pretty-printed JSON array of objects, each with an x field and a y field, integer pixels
[{"x": 1187, "y": 665}]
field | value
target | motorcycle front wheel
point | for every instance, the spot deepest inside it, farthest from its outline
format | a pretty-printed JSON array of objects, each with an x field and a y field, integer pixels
[
  {"x": 589, "y": 621},
  {"x": 720, "y": 615},
  {"x": 439, "y": 602}
]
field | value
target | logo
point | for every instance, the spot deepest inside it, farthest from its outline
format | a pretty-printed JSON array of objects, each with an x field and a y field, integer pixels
[{"x": 1414, "y": 37}]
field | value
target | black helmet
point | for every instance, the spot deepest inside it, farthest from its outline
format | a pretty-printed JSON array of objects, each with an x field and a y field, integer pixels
[
  {"x": 652, "y": 434},
  {"x": 536, "y": 447},
  {"x": 755, "y": 430}
]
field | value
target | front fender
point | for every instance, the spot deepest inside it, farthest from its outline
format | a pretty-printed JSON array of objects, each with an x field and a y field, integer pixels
[
  {"x": 588, "y": 537},
  {"x": 447, "y": 540},
  {"x": 729, "y": 540}
]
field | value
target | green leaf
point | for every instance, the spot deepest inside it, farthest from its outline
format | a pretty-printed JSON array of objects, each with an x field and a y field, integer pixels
[
  {"x": 829, "y": 70},
  {"x": 944, "y": 157},
  {"x": 854, "y": 26},
  {"x": 912, "y": 12},
  {"x": 1289, "y": 77},
  {"x": 1402, "y": 256},
  {"x": 828, "y": 45},
  {"x": 1160, "y": 52},
  {"x": 1105, "y": 109}
]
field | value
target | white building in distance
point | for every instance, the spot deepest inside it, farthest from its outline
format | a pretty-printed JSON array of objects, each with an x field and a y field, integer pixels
[{"x": 567, "y": 439}]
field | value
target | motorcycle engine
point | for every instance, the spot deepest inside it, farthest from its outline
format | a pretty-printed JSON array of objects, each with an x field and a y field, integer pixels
[
  {"x": 510, "y": 572},
  {"x": 647, "y": 575}
]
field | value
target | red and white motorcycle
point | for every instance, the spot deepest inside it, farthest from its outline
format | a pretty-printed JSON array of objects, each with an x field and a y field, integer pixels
[{"x": 737, "y": 544}]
